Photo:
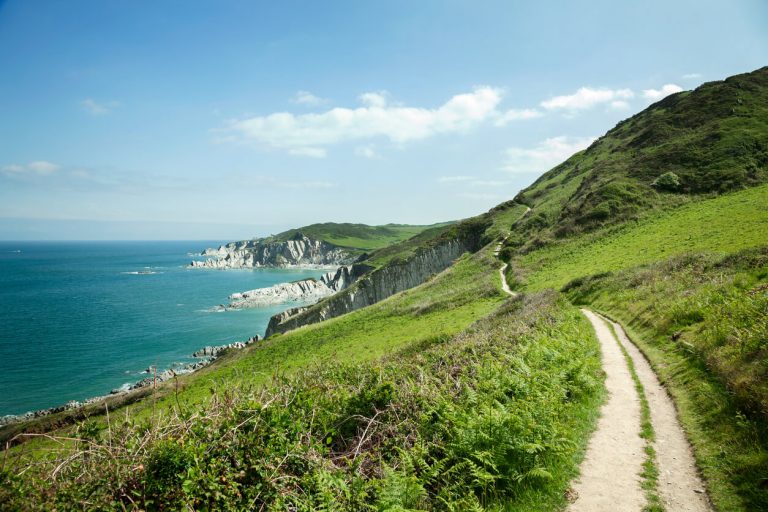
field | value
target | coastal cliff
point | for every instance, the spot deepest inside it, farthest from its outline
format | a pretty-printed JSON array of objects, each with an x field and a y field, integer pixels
[
  {"x": 299, "y": 251},
  {"x": 306, "y": 290},
  {"x": 374, "y": 286}
]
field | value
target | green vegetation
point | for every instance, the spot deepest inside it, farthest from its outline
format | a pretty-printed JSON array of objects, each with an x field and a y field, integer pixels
[
  {"x": 495, "y": 414},
  {"x": 723, "y": 224},
  {"x": 358, "y": 236},
  {"x": 713, "y": 139},
  {"x": 701, "y": 320}
]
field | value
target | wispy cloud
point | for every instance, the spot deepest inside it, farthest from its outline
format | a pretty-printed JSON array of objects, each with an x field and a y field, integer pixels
[
  {"x": 310, "y": 152},
  {"x": 308, "y": 99},
  {"x": 587, "y": 97},
  {"x": 517, "y": 115},
  {"x": 367, "y": 152},
  {"x": 96, "y": 108},
  {"x": 38, "y": 167},
  {"x": 657, "y": 94},
  {"x": 544, "y": 155},
  {"x": 691, "y": 76},
  {"x": 375, "y": 118}
]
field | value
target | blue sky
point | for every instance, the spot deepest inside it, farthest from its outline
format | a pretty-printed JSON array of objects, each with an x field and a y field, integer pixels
[{"x": 232, "y": 119}]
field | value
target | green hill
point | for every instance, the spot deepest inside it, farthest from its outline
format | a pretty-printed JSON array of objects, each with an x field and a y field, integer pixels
[
  {"x": 714, "y": 139},
  {"x": 454, "y": 395}
]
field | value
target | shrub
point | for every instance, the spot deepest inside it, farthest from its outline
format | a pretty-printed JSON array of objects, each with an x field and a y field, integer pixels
[{"x": 667, "y": 181}]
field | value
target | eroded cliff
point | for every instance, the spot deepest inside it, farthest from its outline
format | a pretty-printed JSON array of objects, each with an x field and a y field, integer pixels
[{"x": 299, "y": 251}]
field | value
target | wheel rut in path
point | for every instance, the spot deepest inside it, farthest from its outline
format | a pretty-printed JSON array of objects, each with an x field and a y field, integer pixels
[
  {"x": 610, "y": 473},
  {"x": 680, "y": 487}
]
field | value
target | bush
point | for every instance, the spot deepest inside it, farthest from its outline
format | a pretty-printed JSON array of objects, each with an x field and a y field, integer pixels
[{"x": 667, "y": 181}]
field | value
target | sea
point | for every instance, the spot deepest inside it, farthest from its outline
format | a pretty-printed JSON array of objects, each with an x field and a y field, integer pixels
[{"x": 78, "y": 319}]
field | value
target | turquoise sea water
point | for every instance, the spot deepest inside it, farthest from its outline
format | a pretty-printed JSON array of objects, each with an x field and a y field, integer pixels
[{"x": 77, "y": 319}]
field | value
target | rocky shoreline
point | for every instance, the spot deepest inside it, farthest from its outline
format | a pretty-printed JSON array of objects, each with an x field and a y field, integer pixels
[
  {"x": 307, "y": 290},
  {"x": 206, "y": 355}
]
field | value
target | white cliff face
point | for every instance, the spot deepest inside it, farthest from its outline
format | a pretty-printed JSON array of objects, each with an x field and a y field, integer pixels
[
  {"x": 301, "y": 251},
  {"x": 307, "y": 291}
]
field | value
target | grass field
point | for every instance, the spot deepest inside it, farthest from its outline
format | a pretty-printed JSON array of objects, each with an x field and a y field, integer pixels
[{"x": 723, "y": 224}]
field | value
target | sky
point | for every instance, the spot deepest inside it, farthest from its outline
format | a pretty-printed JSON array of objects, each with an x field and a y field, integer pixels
[{"x": 233, "y": 119}]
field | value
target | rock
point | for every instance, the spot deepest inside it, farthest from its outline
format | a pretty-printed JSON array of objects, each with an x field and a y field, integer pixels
[{"x": 300, "y": 251}]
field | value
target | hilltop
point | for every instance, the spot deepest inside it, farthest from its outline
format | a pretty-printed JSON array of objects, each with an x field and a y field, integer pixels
[{"x": 441, "y": 390}]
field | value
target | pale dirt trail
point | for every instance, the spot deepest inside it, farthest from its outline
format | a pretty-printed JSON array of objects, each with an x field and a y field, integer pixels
[
  {"x": 504, "y": 285},
  {"x": 680, "y": 487},
  {"x": 610, "y": 472}
]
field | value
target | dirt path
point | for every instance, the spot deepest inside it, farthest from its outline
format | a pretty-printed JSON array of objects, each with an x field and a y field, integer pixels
[
  {"x": 610, "y": 472},
  {"x": 504, "y": 285},
  {"x": 680, "y": 487}
]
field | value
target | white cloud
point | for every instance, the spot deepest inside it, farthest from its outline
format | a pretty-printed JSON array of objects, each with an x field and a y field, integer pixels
[
  {"x": 657, "y": 94},
  {"x": 454, "y": 179},
  {"x": 691, "y": 76},
  {"x": 517, "y": 115},
  {"x": 367, "y": 152},
  {"x": 310, "y": 152},
  {"x": 374, "y": 99},
  {"x": 585, "y": 98},
  {"x": 619, "y": 105},
  {"x": 545, "y": 155},
  {"x": 96, "y": 108},
  {"x": 39, "y": 167},
  {"x": 376, "y": 118},
  {"x": 307, "y": 98}
]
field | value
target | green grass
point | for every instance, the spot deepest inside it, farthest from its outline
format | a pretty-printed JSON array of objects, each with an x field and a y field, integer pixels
[
  {"x": 358, "y": 236},
  {"x": 722, "y": 224},
  {"x": 701, "y": 321},
  {"x": 492, "y": 418},
  {"x": 441, "y": 307}
]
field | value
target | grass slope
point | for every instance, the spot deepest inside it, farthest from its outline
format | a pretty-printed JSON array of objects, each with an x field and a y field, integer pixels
[
  {"x": 715, "y": 139},
  {"x": 723, "y": 225}
]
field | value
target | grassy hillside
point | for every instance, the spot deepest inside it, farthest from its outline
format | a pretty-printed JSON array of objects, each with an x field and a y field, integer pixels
[
  {"x": 714, "y": 139},
  {"x": 358, "y": 236},
  {"x": 723, "y": 225}
]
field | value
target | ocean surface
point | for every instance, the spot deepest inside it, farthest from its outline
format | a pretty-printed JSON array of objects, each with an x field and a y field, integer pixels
[{"x": 78, "y": 319}]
